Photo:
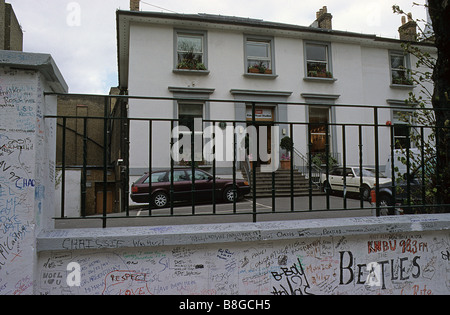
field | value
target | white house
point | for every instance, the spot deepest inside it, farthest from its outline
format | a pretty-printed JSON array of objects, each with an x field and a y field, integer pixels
[{"x": 213, "y": 57}]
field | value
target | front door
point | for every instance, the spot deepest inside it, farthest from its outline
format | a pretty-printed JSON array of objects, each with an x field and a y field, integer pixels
[
  {"x": 264, "y": 122},
  {"x": 319, "y": 119}
]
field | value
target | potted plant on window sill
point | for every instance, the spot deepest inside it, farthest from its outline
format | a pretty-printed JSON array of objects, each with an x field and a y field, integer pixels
[
  {"x": 187, "y": 65},
  {"x": 320, "y": 74},
  {"x": 191, "y": 62},
  {"x": 259, "y": 68},
  {"x": 402, "y": 81},
  {"x": 197, "y": 164}
]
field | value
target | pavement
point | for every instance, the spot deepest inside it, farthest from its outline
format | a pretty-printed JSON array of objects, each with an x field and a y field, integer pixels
[{"x": 227, "y": 213}]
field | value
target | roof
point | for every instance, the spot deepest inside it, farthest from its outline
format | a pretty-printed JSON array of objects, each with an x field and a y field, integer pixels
[
  {"x": 211, "y": 20},
  {"x": 237, "y": 21},
  {"x": 43, "y": 63}
]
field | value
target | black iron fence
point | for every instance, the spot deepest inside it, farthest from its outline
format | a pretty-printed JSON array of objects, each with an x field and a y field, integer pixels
[{"x": 98, "y": 154}]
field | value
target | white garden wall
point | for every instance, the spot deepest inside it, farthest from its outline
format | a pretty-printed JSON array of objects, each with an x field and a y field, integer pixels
[{"x": 299, "y": 257}]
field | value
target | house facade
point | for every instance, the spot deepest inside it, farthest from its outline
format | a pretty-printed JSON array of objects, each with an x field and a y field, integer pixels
[
  {"x": 11, "y": 34},
  {"x": 315, "y": 76}
]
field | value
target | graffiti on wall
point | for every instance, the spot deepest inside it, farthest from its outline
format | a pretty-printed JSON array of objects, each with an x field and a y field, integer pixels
[
  {"x": 409, "y": 264},
  {"x": 20, "y": 117}
]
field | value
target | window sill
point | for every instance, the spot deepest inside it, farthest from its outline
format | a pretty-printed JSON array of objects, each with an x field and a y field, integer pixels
[
  {"x": 260, "y": 76},
  {"x": 403, "y": 86},
  {"x": 191, "y": 72},
  {"x": 322, "y": 80}
]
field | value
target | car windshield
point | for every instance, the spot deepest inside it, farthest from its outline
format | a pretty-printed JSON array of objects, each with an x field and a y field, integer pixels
[{"x": 367, "y": 173}]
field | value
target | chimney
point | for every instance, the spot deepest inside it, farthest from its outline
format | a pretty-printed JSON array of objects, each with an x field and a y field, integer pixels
[
  {"x": 134, "y": 5},
  {"x": 323, "y": 19},
  {"x": 408, "y": 30}
]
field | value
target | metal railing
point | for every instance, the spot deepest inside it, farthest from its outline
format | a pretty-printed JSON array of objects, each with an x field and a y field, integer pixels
[
  {"x": 307, "y": 168},
  {"x": 110, "y": 181}
]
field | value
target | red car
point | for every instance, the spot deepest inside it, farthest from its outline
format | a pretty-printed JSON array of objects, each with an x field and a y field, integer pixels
[{"x": 182, "y": 186}]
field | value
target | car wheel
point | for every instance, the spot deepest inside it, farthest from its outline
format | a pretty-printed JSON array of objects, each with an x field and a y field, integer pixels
[
  {"x": 365, "y": 192},
  {"x": 385, "y": 202},
  {"x": 229, "y": 195},
  {"x": 160, "y": 200}
]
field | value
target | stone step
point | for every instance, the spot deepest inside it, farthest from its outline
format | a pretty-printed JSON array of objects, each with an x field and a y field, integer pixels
[{"x": 282, "y": 184}]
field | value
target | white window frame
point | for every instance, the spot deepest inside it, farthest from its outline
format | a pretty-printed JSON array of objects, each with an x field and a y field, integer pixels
[
  {"x": 191, "y": 33},
  {"x": 401, "y": 123},
  {"x": 270, "y": 59},
  {"x": 328, "y": 61},
  {"x": 406, "y": 69}
]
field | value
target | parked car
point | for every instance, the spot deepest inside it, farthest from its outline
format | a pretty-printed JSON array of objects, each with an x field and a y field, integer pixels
[
  {"x": 182, "y": 185},
  {"x": 418, "y": 164},
  {"x": 386, "y": 196},
  {"x": 335, "y": 180}
]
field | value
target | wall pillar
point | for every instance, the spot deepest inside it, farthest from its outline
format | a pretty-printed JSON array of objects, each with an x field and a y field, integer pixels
[{"x": 27, "y": 166}]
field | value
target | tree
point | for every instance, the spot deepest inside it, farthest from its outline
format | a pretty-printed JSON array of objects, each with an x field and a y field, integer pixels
[
  {"x": 437, "y": 71},
  {"x": 440, "y": 16}
]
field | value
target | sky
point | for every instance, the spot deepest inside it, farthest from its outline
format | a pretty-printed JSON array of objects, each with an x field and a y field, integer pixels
[{"x": 81, "y": 35}]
